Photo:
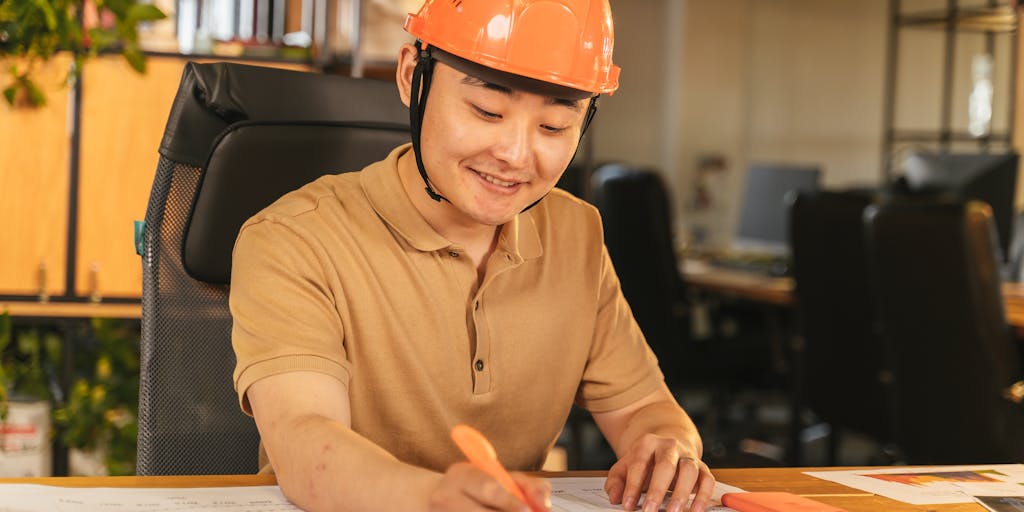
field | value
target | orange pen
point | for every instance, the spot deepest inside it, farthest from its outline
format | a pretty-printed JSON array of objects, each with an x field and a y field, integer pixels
[{"x": 481, "y": 454}]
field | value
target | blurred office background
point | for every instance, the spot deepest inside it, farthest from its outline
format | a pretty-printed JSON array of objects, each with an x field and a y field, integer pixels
[{"x": 711, "y": 90}]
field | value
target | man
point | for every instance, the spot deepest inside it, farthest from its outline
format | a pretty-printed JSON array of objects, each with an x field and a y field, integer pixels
[{"x": 449, "y": 283}]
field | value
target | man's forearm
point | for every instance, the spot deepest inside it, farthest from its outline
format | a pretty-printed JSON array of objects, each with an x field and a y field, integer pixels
[{"x": 323, "y": 465}]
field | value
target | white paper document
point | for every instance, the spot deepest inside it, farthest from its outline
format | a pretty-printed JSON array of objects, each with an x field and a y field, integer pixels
[
  {"x": 567, "y": 495},
  {"x": 933, "y": 485},
  {"x": 587, "y": 495},
  {"x": 48, "y": 498}
]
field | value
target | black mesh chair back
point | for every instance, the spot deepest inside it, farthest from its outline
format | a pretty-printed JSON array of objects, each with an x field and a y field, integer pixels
[
  {"x": 636, "y": 213},
  {"x": 940, "y": 311},
  {"x": 844, "y": 379},
  {"x": 237, "y": 138}
]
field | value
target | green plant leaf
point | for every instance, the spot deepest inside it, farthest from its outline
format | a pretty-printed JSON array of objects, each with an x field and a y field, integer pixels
[
  {"x": 5, "y": 325},
  {"x": 135, "y": 58},
  {"x": 102, "y": 39},
  {"x": 36, "y": 98},
  {"x": 52, "y": 347},
  {"x": 9, "y": 93},
  {"x": 143, "y": 12},
  {"x": 46, "y": 9}
]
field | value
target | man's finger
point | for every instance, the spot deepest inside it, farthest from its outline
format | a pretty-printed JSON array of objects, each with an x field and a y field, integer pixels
[
  {"x": 661, "y": 477},
  {"x": 705, "y": 487},
  {"x": 637, "y": 474},
  {"x": 615, "y": 483},
  {"x": 487, "y": 491},
  {"x": 537, "y": 490}
]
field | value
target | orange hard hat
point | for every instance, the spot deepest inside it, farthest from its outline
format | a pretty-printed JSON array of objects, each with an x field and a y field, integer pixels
[{"x": 563, "y": 42}]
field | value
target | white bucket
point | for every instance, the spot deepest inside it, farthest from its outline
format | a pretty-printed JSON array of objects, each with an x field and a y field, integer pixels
[{"x": 25, "y": 448}]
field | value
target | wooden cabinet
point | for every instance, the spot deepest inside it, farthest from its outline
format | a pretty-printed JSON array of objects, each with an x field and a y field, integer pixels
[
  {"x": 34, "y": 160},
  {"x": 123, "y": 118},
  {"x": 123, "y": 115}
]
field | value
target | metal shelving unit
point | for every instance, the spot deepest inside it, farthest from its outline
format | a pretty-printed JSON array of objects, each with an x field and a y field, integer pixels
[{"x": 993, "y": 20}]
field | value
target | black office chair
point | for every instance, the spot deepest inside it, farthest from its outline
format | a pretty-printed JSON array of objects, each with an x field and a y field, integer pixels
[
  {"x": 940, "y": 311},
  {"x": 237, "y": 138},
  {"x": 636, "y": 213},
  {"x": 844, "y": 380}
]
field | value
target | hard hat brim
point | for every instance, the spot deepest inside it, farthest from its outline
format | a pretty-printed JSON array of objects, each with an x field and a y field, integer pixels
[{"x": 510, "y": 80}]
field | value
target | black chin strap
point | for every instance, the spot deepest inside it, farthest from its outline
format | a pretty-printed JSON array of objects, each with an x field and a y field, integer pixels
[{"x": 421, "y": 76}]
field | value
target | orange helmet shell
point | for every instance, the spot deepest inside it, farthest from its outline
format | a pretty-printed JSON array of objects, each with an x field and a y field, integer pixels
[{"x": 564, "y": 42}]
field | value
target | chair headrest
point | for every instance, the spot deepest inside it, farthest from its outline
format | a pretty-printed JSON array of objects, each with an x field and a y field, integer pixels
[
  {"x": 254, "y": 163},
  {"x": 212, "y": 96},
  {"x": 259, "y": 133}
]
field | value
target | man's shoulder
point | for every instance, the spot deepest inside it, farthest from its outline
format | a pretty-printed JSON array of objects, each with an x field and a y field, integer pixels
[
  {"x": 567, "y": 222},
  {"x": 561, "y": 207},
  {"x": 561, "y": 199}
]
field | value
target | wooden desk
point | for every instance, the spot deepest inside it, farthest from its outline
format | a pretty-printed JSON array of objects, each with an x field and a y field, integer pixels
[
  {"x": 761, "y": 479},
  {"x": 777, "y": 291},
  {"x": 780, "y": 291}
]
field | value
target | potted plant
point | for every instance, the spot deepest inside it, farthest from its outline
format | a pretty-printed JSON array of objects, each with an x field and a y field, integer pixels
[
  {"x": 32, "y": 31},
  {"x": 28, "y": 359},
  {"x": 98, "y": 419}
]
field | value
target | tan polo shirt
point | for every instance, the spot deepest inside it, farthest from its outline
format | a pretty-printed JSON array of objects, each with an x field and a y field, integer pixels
[{"x": 345, "y": 277}]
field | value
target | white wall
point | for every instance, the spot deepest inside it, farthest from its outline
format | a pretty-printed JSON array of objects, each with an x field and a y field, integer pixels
[{"x": 778, "y": 81}]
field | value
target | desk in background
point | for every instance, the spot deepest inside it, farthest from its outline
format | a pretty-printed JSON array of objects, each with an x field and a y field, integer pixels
[
  {"x": 761, "y": 479},
  {"x": 780, "y": 291}
]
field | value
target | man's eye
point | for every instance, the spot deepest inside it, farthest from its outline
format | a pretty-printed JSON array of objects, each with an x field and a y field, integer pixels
[
  {"x": 486, "y": 114},
  {"x": 552, "y": 129}
]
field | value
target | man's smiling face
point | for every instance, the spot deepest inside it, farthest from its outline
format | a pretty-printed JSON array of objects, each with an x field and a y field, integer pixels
[{"x": 493, "y": 151}]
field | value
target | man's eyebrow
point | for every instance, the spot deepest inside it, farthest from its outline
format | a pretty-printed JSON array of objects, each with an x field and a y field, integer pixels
[
  {"x": 472, "y": 80},
  {"x": 573, "y": 105}
]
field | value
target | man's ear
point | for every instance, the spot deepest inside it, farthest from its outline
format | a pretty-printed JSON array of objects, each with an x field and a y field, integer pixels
[{"x": 407, "y": 58}]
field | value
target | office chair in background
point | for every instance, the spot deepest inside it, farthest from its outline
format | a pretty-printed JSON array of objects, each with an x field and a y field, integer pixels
[
  {"x": 637, "y": 218},
  {"x": 841, "y": 375},
  {"x": 940, "y": 312},
  {"x": 237, "y": 138}
]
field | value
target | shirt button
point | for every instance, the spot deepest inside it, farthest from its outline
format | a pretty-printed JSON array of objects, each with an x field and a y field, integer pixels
[
  {"x": 476, "y": 305},
  {"x": 479, "y": 365},
  {"x": 508, "y": 256},
  {"x": 453, "y": 254}
]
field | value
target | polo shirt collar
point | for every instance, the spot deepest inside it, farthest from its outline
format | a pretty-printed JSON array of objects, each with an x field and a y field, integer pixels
[
  {"x": 520, "y": 237},
  {"x": 383, "y": 187}
]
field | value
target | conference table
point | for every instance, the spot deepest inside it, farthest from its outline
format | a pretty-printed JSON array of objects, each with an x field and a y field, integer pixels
[{"x": 760, "y": 479}]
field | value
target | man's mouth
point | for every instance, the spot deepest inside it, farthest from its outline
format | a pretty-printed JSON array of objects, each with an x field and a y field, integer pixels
[{"x": 496, "y": 181}]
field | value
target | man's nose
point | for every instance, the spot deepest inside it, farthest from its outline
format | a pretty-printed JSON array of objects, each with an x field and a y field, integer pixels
[{"x": 513, "y": 146}]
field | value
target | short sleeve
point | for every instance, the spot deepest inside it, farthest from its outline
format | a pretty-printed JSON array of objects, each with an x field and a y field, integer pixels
[
  {"x": 621, "y": 367},
  {"x": 284, "y": 313}
]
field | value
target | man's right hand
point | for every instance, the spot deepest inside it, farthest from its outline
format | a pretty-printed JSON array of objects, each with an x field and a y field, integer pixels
[{"x": 463, "y": 487}]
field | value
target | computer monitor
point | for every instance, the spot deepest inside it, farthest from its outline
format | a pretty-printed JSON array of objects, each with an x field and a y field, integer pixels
[
  {"x": 764, "y": 225},
  {"x": 987, "y": 177}
]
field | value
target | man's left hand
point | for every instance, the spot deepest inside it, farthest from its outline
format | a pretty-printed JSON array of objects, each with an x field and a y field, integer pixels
[{"x": 658, "y": 464}]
